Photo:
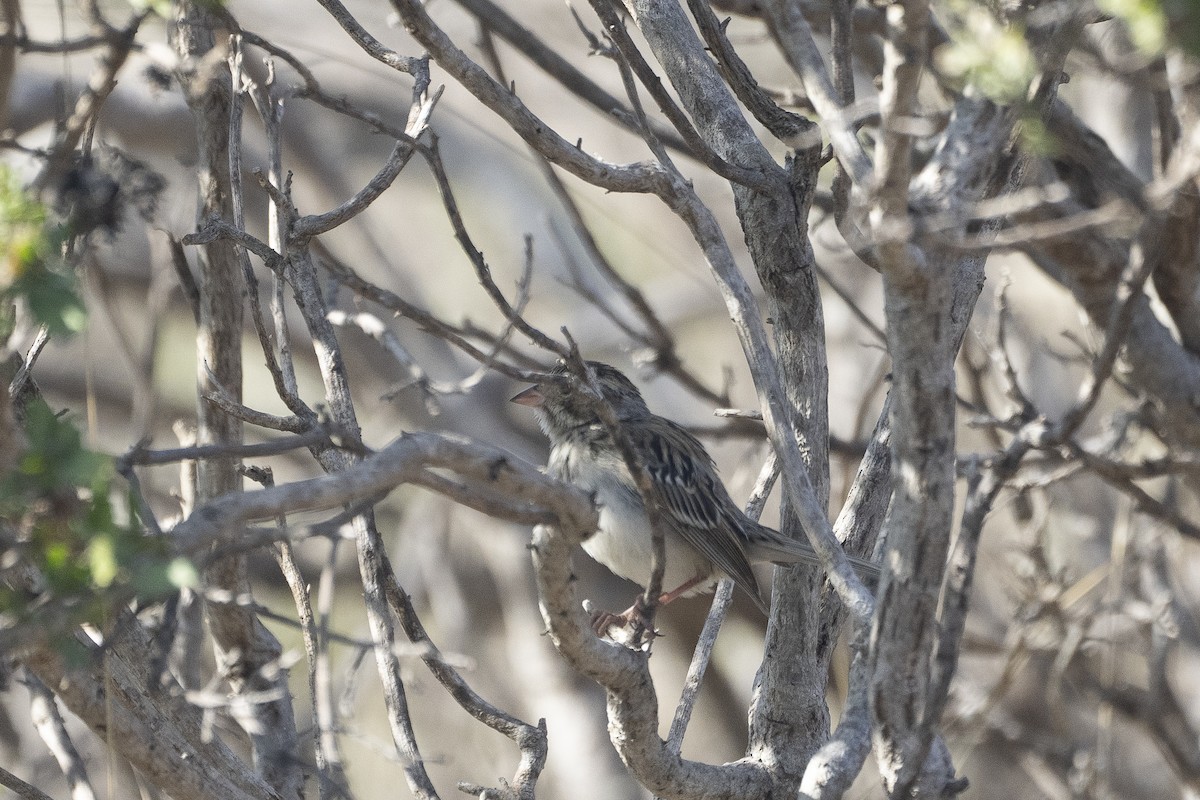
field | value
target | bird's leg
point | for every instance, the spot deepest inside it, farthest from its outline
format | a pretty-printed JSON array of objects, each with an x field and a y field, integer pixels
[
  {"x": 603, "y": 620},
  {"x": 684, "y": 588}
]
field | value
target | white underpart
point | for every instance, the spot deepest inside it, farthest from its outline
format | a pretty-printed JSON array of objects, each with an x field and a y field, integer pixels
[{"x": 623, "y": 542}]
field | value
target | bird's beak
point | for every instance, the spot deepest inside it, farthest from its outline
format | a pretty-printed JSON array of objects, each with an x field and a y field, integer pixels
[{"x": 530, "y": 397}]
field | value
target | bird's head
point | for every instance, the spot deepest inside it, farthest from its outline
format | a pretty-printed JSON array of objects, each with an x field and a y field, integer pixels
[{"x": 564, "y": 402}]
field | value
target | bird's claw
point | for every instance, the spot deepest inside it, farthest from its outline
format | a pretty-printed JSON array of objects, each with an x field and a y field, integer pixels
[{"x": 640, "y": 625}]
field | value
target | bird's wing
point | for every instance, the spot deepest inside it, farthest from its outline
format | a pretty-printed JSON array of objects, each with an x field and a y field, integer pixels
[
  {"x": 691, "y": 492},
  {"x": 769, "y": 545}
]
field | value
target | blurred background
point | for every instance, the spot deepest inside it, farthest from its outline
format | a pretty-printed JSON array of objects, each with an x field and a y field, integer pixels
[{"x": 1019, "y": 722}]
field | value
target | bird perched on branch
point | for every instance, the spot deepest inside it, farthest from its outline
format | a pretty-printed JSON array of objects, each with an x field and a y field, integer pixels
[{"x": 705, "y": 535}]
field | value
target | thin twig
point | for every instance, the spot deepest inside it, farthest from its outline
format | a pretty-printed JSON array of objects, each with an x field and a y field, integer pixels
[
  {"x": 53, "y": 730},
  {"x": 614, "y": 26},
  {"x": 142, "y": 457},
  {"x": 285, "y": 384},
  {"x": 722, "y": 600},
  {"x": 531, "y": 739},
  {"x": 482, "y": 271},
  {"x": 657, "y": 337},
  {"x": 27, "y": 791}
]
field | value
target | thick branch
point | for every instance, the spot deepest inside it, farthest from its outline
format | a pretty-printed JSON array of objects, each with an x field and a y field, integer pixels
[{"x": 158, "y": 733}]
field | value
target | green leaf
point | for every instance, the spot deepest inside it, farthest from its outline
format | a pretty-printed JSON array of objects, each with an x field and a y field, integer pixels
[
  {"x": 52, "y": 299},
  {"x": 56, "y": 458},
  {"x": 92, "y": 555},
  {"x": 31, "y": 265},
  {"x": 986, "y": 54},
  {"x": 1145, "y": 20},
  {"x": 183, "y": 574},
  {"x": 156, "y": 579},
  {"x": 17, "y": 206},
  {"x": 63, "y": 573},
  {"x": 102, "y": 559}
]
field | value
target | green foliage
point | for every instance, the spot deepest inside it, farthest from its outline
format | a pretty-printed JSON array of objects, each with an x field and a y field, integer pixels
[
  {"x": 1146, "y": 21},
  {"x": 52, "y": 298},
  {"x": 1035, "y": 137},
  {"x": 57, "y": 503},
  {"x": 986, "y": 54},
  {"x": 58, "y": 500},
  {"x": 995, "y": 58},
  {"x": 1155, "y": 25},
  {"x": 31, "y": 264},
  {"x": 1183, "y": 24},
  {"x": 56, "y": 459}
]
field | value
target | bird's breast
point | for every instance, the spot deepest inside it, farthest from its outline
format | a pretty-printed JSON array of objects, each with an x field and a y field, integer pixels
[{"x": 622, "y": 541}]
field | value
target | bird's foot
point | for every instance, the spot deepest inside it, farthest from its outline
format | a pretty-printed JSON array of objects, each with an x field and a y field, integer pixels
[{"x": 633, "y": 627}]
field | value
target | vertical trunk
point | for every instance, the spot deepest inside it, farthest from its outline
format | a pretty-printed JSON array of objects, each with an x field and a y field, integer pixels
[{"x": 244, "y": 647}]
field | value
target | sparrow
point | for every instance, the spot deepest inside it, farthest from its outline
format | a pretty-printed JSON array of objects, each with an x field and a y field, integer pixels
[{"x": 706, "y": 536}]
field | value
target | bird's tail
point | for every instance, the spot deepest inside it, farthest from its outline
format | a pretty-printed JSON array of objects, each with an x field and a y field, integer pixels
[{"x": 766, "y": 544}]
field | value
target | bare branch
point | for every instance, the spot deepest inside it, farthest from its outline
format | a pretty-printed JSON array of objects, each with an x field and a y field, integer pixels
[
  {"x": 795, "y": 38},
  {"x": 723, "y": 598},
  {"x": 482, "y": 271},
  {"x": 460, "y": 337},
  {"x": 53, "y": 730},
  {"x": 417, "y": 67},
  {"x": 615, "y": 27},
  {"x": 161, "y": 737},
  {"x": 531, "y": 739},
  {"x": 87, "y": 106},
  {"x": 26, "y": 791},
  {"x": 314, "y": 225},
  {"x": 791, "y": 129},
  {"x": 614, "y": 177},
  {"x": 658, "y": 338},
  {"x": 495, "y": 20}
]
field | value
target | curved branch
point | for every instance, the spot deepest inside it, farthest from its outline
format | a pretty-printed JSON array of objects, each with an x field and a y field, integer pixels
[
  {"x": 536, "y": 133},
  {"x": 531, "y": 739},
  {"x": 632, "y": 703},
  {"x": 496, "y": 20},
  {"x": 633, "y": 706}
]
